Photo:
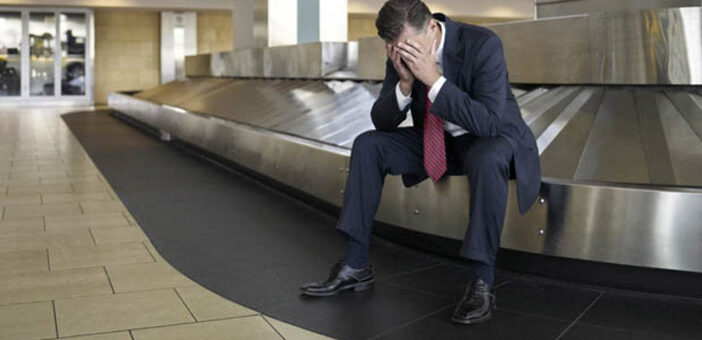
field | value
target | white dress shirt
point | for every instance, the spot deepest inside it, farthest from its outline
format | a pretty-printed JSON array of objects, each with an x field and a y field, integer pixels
[{"x": 403, "y": 101}]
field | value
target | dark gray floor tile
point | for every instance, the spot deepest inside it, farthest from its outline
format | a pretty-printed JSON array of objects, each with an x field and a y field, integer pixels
[
  {"x": 445, "y": 279},
  {"x": 545, "y": 299},
  {"x": 582, "y": 331},
  {"x": 673, "y": 317},
  {"x": 503, "y": 325},
  {"x": 358, "y": 315}
]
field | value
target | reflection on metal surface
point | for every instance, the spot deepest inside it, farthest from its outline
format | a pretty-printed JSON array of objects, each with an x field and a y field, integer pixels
[
  {"x": 659, "y": 46},
  {"x": 552, "y": 8},
  {"x": 311, "y": 60},
  {"x": 620, "y": 166}
]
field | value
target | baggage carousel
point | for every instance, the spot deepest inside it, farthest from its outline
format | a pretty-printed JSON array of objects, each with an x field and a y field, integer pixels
[{"x": 621, "y": 160}]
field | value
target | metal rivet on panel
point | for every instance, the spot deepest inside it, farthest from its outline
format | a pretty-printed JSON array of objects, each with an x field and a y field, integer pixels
[
  {"x": 542, "y": 200},
  {"x": 341, "y": 191},
  {"x": 341, "y": 169},
  {"x": 347, "y": 169},
  {"x": 541, "y": 231},
  {"x": 416, "y": 211}
]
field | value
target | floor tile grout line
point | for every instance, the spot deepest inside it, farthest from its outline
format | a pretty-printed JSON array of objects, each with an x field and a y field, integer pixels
[
  {"x": 159, "y": 326},
  {"x": 100, "y": 294},
  {"x": 185, "y": 304},
  {"x": 53, "y": 307},
  {"x": 504, "y": 283},
  {"x": 413, "y": 321},
  {"x": 587, "y": 309},
  {"x": 410, "y": 272},
  {"x": 48, "y": 259},
  {"x": 273, "y": 327},
  {"x": 92, "y": 236},
  {"x": 109, "y": 280},
  {"x": 148, "y": 251},
  {"x": 418, "y": 291}
]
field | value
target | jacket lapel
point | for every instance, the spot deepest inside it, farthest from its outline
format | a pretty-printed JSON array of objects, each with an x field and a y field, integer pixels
[{"x": 451, "y": 60}]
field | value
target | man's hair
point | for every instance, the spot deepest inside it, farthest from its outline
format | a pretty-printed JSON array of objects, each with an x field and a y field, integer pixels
[{"x": 395, "y": 13}]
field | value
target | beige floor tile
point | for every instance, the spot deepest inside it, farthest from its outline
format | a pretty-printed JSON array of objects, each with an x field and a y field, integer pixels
[
  {"x": 27, "y": 321},
  {"x": 91, "y": 189},
  {"x": 16, "y": 181},
  {"x": 20, "y": 200},
  {"x": 136, "y": 277},
  {"x": 119, "y": 235},
  {"x": 247, "y": 328},
  {"x": 93, "y": 221},
  {"x": 31, "y": 224},
  {"x": 93, "y": 179},
  {"x": 80, "y": 257},
  {"x": 33, "y": 210},
  {"x": 75, "y": 197},
  {"x": 23, "y": 261},
  {"x": 129, "y": 218},
  {"x": 119, "y": 312},
  {"x": 206, "y": 305},
  {"x": 46, "y": 239},
  {"x": 101, "y": 207},
  {"x": 53, "y": 189},
  {"x": 156, "y": 255},
  {"x": 105, "y": 336},
  {"x": 292, "y": 332},
  {"x": 42, "y": 286}
]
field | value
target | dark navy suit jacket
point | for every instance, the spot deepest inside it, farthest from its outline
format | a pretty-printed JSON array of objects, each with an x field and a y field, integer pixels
[{"x": 476, "y": 96}]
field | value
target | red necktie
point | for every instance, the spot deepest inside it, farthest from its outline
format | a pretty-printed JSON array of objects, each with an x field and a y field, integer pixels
[{"x": 434, "y": 146}]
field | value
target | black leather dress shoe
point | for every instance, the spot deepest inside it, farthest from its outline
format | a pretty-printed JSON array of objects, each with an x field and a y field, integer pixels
[
  {"x": 342, "y": 277},
  {"x": 476, "y": 305}
]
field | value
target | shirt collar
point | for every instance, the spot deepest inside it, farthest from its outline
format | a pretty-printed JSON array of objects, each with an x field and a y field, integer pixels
[{"x": 440, "y": 49}]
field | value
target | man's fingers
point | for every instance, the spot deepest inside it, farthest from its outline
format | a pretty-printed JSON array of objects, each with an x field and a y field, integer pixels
[
  {"x": 409, "y": 48},
  {"x": 404, "y": 48},
  {"x": 416, "y": 45}
]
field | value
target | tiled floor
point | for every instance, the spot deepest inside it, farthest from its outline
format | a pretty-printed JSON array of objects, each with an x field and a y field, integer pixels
[
  {"x": 74, "y": 262},
  {"x": 254, "y": 245}
]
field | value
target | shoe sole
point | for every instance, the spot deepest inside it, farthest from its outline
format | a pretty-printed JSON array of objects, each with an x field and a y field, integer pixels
[
  {"x": 477, "y": 320},
  {"x": 473, "y": 321},
  {"x": 356, "y": 287}
]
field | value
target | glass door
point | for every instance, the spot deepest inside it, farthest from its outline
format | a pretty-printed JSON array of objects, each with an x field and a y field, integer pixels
[
  {"x": 46, "y": 55},
  {"x": 73, "y": 44},
  {"x": 10, "y": 53},
  {"x": 42, "y": 43}
]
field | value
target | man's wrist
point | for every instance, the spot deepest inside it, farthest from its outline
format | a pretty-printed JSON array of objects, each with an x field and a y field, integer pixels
[
  {"x": 406, "y": 88},
  {"x": 431, "y": 81}
]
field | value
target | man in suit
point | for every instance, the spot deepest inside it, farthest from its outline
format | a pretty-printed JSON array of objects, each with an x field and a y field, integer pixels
[{"x": 466, "y": 121}]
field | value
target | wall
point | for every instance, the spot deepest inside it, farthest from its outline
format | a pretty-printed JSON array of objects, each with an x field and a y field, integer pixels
[
  {"x": 552, "y": 8},
  {"x": 462, "y": 8},
  {"x": 126, "y": 51},
  {"x": 363, "y": 25},
  {"x": 214, "y": 31}
]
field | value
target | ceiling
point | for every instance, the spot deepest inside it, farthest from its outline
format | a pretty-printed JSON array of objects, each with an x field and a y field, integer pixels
[{"x": 462, "y": 8}]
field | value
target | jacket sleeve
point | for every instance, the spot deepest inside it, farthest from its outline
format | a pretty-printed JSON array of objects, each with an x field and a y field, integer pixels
[
  {"x": 386, "y": 114},
  {"x": 480, "y": 111}
]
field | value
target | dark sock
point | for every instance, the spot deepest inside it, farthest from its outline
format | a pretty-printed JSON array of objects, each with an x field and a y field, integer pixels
[
  {"x": 483, "y": 271},
  {"x": 357, "y": 255}
]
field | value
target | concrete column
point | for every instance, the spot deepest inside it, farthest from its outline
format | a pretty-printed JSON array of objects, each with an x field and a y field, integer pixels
[
  {"x": 178, "y": 39},
  {"x": 322, "y": 20},
  {"x": 264, "y": 23},
  {"x": 243, "y": 24}
]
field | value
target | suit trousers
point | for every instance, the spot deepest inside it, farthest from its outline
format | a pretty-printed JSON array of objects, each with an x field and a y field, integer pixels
[{"x": 486, "y": 161}]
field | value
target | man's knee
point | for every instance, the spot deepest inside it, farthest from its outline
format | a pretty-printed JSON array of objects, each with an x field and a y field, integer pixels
[
  {"x": 366, "y": 141},
  {"x": 483, "y": 156}
]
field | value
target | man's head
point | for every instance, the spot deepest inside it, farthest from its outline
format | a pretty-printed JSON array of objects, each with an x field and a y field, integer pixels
[{"x": 399, "y": 20}]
